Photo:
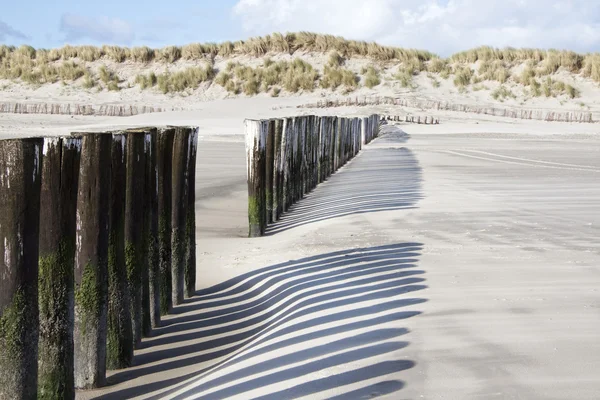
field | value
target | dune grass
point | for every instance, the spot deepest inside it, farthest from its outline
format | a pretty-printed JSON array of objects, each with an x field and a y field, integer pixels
[{"x": 187, "y": 67}]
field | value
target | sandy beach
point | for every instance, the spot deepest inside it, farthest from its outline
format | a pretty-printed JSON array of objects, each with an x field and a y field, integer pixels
[{"x": 455, "y": 261}]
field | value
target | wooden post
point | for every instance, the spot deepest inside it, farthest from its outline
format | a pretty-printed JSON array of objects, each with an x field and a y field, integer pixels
[
  {"x": 278, "y": 171},
  {"x": 20, "y": 184},
  {"x": 190, "y": 225},
  {"x": 287, "y": 161},
  {"x": 119, "y": 342},
  {"x": 269, "y": 166},
  {"x": 134, "y": 227},
  {"x": 316, "y": 152},
  {"x": 300, "y": 130},
  {"x": 178, "y": 213},
  {"x": 58, "y": 205},
  {"x": 147, "y": 259},
  {"x": 256, "y": 137},
  {"x": 321, "y": 149},
  {"x": 164, "y": 162},
  {"x": 151, "y": 232},
  {"x": 91, "y": 261},
  {"x": 335, "y": 128}
]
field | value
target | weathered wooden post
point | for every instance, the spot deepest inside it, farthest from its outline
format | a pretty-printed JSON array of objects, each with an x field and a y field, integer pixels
[
  {"x": 151, "y": 275},
  {"x": 299, "y": 128},
  {"x": 20, "y": 184},
  {"x": 286, "y": 161},
  {"x": 316, "y": 135},
  {"x": 91, "y": 260},
  {"x": 152, "y": 296},
  {"x": 269, "y": 170},
  {"x": 256, "y": 138},
  {"x": 190, "y": 226},
  {"x": 164, "y": 162},
  {"x": 333, "y": 144},
  {"x": 278, "y": 171},
  {"x": 58, "y": 205},
  {"x": 178, "y": 213},
  {"x": 134, "y": 226},
  {"x": 321, "y": 151},
  {"x": 119, "y": 338}
]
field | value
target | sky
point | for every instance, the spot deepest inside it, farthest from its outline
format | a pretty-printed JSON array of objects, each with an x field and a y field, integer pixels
[{"x": 441, "y": 26}]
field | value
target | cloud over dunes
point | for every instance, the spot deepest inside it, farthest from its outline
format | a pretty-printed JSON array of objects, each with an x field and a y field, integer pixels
[
  {"x": 7, "y": 31},
  {"x": 101, "y": 29},
  {"x": 442, "y": 26}
]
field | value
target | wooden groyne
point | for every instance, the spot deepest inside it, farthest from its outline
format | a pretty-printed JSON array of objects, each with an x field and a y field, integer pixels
[
  {"x": 80, "y": 267},
  {"x": 287, "y": 158}
]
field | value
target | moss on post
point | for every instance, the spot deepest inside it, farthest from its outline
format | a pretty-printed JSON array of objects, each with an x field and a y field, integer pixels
[
  {"x": 151, "y": 317},
  {"x": 164, "y": 162},
  {"x": 119, "y": 344},
  {"x": 135, "y": 262},
  {"x": 20, "y": 185},
  {"x": 58, "y": 205},
  {"x": 91, "y": 261},
  {"x": 256, "y": 137}
]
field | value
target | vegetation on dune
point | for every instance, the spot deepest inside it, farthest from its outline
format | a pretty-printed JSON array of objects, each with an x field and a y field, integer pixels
[{"x": 187, "y": 67}]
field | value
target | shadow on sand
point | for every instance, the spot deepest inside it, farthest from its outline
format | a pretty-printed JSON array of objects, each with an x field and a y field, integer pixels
[
  {"x": 341, "y": 310},
  {"x": 380, "y": 178}
]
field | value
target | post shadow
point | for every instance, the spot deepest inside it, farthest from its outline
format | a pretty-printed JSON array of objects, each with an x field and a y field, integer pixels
[
  {"x": 379, "y": 179},
  {"x": 320, "y": 290}
]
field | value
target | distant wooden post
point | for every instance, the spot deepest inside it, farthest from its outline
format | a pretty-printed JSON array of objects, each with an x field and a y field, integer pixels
[
  {"x": 269, "y": 170},
  {"x": 91, "y": 261},
  {"x": 335, "y": 127},
  {"x": 299, "y": 130},
  {"x": 119, "y": 343},
  {"x": 58, "y": 205},
  {"x": 316, "y": 151},
  {"x": 178, "y": 212},
  {"x": 287, "y": 161},
  {"x": 321, "y": 150},
  {"x": 190, "y": 226},
  {"x": 164, "y": 162},
  {"x": 278, "y": 171},
  {"x": 20, "y": 184},
  {"x": 256, "y": 138}
]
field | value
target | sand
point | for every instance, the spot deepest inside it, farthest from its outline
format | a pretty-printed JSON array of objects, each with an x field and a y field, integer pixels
[{"x": 455, "y": 261}]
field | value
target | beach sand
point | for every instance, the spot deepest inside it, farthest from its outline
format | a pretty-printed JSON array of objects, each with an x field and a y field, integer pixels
[{"x": 456, "y": 261}]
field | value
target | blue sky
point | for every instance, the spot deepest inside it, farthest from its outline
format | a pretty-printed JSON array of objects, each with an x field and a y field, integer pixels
[
  {"x": 442, "y": 26},
  {"x": 154, "y": 23}
]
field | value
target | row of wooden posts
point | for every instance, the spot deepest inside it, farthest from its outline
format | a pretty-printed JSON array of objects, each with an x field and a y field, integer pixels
[
  {"x": 97, "y": 241},
  {"x": 424, "y": 104},
  {"x": 287, "y": 158},
  {"x": 108, "y": 110},
  {"x": 413, "y": 120}
]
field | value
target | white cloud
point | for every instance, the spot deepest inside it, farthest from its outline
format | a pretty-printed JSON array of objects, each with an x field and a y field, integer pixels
[
  {"x": 442, "y": 26},
  {"x": 100, "y": 29}
]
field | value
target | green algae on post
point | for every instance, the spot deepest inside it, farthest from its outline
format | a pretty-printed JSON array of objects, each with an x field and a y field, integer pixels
[
  {"x": 119, "y": 342},
  {"x": 20, "y": 185},
  {"x": 256, "y": 137},
  {"x": 91, "y": 260},
  {"x": 58, "y": 205},
  {"x": 134, "y": 226},
  {"x": 164, "y": 162}
]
